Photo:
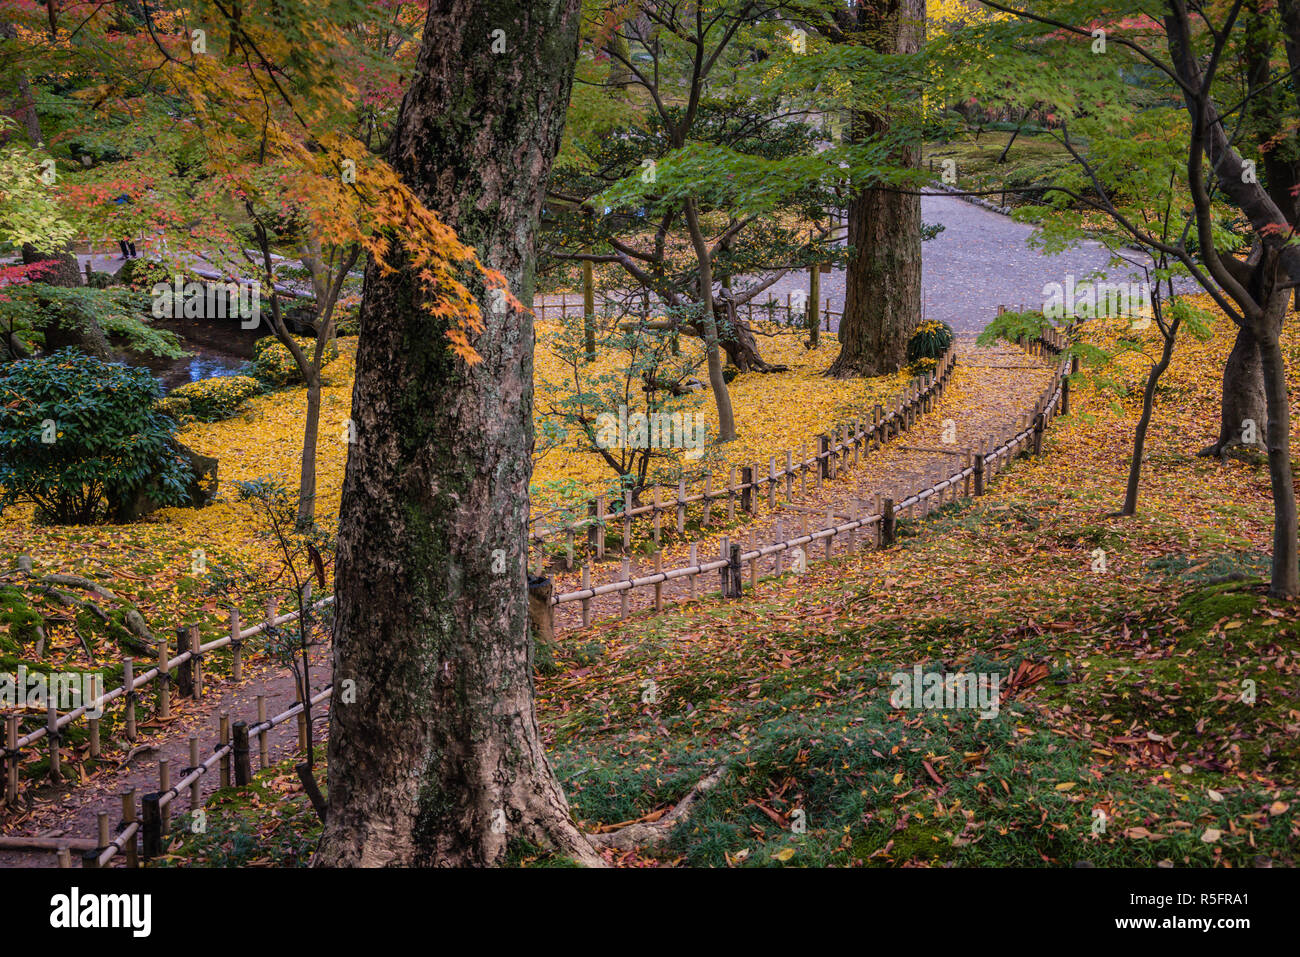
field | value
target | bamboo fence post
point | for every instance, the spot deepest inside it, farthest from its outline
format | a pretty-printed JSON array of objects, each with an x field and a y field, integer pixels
[
  {"x": 857, "y": 441},
  {"x": 165, "y": 785},
  {"x": 753, "y": 562},
  {"x": 681, "y": 506},
  {"x": 659, "y": 585},
  {"x": 601, "y": 508},
  {"x": 94, "y": 736},
  {"x": 695, "y": 562},
  {"x": 877, "y": 426},
  {"x": 164, "y": 681},
  {"x": 887, "y": 525},
  {"x": 568, "y": 549},
  {"x": 591, "y": 524},
  {"x": 185, "y": 673},
  {"x": 150, "y": 820},
  {"x": 586, "y": 602},
  {"x": 11, "y": 759},
  {"x": 780, "y": 556},
  {"x": 196, "y": 660},
  {"x": 623, "y": 596},
  {"x": 731, "y": 495},
  {"x": 747, "y": 489},
  {"x": 263, "y": 755},
  {"x": 1040, "y": 425},
  {"x": 128, "y": 682},
  {"x": 823, "y": 458},
  {"x": 708, "y": 499},
  {"x": 830, "y": 523},
  {"x": 128, "y": 818},
  {"x": 732, "y": 585},
  {"x": 771, "y": 483},
  {"x": 803, "y": 469},
  {"x": 196, "y": 789},
  {"x": 243, "y": 763},
  {"x": 223, "y": 739},
  {"x": 656, "y": 513},
  {"x": 627, "y": 522},
  {"x": 52, "y": 732},
  {"x": 64, "y": 856},
  {"x": 789, "y": 474}
]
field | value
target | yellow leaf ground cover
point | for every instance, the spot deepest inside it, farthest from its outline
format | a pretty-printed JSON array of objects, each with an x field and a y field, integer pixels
[{"x": 153, "y": 561}]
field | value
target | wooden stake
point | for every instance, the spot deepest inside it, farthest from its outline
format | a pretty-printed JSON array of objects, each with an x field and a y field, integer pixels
[
  {"x": 236, "y": 647},
  {"x": 263, "y": 754},
  {"x": 131, "y": 845},
  {"x": 52, "y": 732}
]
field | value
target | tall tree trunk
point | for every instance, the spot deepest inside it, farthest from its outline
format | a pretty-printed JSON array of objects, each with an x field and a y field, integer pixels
[
  {"x": 1286, "y": 575},
  {"x": 709, "y": 327},
  {"x": 307, "y": 475},
  {"x": 439, "y": 760},
  {"x": 882, "y": 302},
  {"x": 26, "y": 99},
  {"x": 1244, "y": 408},
  {"x": 1144, "y": 421}
]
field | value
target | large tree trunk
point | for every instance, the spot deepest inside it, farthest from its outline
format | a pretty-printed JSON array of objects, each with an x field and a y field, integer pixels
[
  {"x": 1244, "y": 408},
  {"x": 1285, "y": 581},
  {"x": 882, "y": 302},
  {"x": 439, "y": 760}
]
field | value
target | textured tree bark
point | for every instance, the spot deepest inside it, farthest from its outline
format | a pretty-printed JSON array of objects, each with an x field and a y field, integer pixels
[
  {"x": 1285, "y": 582},
  {"x": 882, "y": 304},
  {"x": 439, "y": 760},
  {"x": 1243, "y": 399}
]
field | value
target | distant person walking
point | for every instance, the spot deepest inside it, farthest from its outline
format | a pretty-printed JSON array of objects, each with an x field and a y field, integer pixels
[{"x": 126, "y": 245}]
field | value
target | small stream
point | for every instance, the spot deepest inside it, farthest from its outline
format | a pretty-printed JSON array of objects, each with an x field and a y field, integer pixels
[{"x": 215, "y": 347}]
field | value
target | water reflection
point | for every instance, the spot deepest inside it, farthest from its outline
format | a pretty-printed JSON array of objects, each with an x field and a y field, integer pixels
[{"x": 202, "y": 365}]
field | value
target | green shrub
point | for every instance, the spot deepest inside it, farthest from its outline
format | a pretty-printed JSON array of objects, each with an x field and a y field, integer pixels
[
  {"x": 142, "y": 274},
  {"x": 211, "y": 400},
  {"x": 930, "y": 341},
  {"x": 273, "y": 363},
  {"x": 80, "y": 436}
]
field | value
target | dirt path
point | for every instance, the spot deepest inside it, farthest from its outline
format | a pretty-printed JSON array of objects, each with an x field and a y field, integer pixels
[
  {"x": 64, "y": 812},
  {"x": 990, "y": 391}
]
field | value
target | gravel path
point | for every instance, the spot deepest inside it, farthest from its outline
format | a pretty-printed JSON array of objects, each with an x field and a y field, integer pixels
[{"x": 980, "y": 261}]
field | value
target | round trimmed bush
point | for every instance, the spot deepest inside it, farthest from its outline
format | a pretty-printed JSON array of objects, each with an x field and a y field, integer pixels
[
  {"x": 211, "y": 400},
  {"x": 274, "y": 365},
  {"x": 80, "y": 436}
]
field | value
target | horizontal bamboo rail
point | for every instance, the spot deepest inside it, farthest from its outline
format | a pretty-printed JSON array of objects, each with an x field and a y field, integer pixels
[
  {"x": 1045, "y": 408},
  {"x": 855, "y": 439},
  {"x": 132, "y": 683}
]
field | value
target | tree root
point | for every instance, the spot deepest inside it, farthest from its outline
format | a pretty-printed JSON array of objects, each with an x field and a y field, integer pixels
[{"x": 652, "y": 834}]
